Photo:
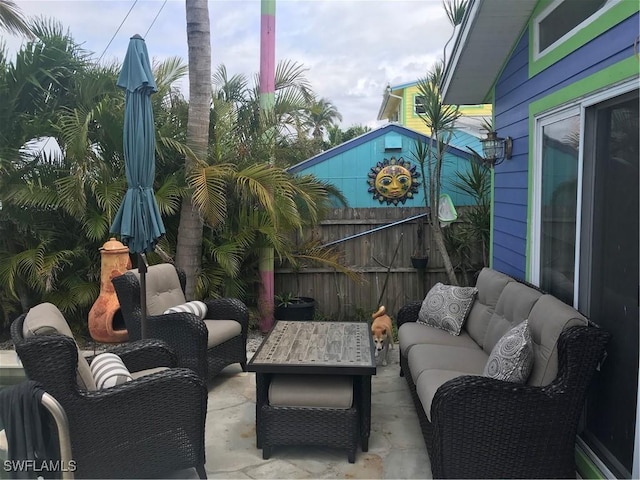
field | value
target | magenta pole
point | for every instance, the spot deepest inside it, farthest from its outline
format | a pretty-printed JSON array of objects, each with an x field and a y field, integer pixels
[{"x": 267, "y": 101}]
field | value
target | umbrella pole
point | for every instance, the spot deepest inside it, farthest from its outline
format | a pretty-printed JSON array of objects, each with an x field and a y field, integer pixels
[{"x": 142, "y": 269}]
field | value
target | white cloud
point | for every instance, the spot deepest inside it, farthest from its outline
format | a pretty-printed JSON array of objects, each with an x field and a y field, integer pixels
[{"x": 352, "y": 48}]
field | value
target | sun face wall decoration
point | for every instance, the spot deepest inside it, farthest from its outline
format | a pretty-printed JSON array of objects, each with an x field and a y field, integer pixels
[{"x": 393, "y": 181}]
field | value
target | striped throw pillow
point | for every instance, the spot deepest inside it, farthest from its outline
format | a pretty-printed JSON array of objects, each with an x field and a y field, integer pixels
[
  {"x": 109, "y": 370},
  {"x": 199, "y": 309}
]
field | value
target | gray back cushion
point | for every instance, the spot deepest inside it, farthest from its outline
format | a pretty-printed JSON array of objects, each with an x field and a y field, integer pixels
[
  {"x": 490, "y": 284},
  {"x": 163, "y": 288},
  {"x": 548, "y": 318},
  {"x": 46, "y": 319},
  {"x": 514, "y": 306}
]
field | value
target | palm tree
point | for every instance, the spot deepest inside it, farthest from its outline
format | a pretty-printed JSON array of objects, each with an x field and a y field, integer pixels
[
  {"x": 52, "y": 89},
  {"x": 189, "y": 248},
  {"x": 255, "y": 207},
  {"x": 12, "y": 20},
  {"x": 46, "y": 195},
  {"x": 321, "y": 116},
  {"x": 246, "y": 202},
  {"x": 34, "y": 253},
  {"x": 440, "y": 120}
]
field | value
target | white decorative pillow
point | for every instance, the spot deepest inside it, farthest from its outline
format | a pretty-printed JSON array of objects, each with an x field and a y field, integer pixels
[
  {"x": 512, "y": 358},
  {"x": 198, "y": 308},
  {"x": 447, "y": 307},
  {"x": 109, "y": 370}
]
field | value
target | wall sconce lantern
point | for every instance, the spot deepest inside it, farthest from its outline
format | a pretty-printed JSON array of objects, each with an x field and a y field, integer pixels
[{"x": 495, "y": 149}]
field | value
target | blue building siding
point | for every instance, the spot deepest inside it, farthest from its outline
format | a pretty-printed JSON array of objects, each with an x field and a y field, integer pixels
[
  {"x": 347, "y": 166},
  {"x": 514, "y": 91}
]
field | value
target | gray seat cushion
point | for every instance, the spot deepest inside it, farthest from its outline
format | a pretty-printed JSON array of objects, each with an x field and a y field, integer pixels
[
  {"x": 490, "y": 284},
  {"x": 514, "y": 306},
  {"x": 219, "y": 331},
  {"x": 548, "y": 318},
  {"x": 443, "y": 357},
  {"x": 148, "y": 371},
  {"x": 46, "y": 319},
  {"x": 413, "y": 333},
  {"x": 163, "y": 288},
  {"x": 430, "y": 381}
]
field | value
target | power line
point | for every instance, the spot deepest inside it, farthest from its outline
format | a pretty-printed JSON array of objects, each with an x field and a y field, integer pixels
[
  {"x": 154, "y": 19},
  {"x": 109, "y": 44},
  {"x": 119, "y": 27},
  {"x": 103, "y": 52}
]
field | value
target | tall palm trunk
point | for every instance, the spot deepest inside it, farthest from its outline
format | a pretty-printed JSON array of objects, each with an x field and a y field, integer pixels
[
  {"x": 438, "y": 234},
  {"x": 189, "y": 247}
]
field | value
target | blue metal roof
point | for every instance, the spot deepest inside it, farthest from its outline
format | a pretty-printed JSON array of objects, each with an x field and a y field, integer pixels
[{"x": 367, "y": 137}]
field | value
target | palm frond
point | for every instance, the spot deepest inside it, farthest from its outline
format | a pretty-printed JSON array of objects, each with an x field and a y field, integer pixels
[
  {"x": 12, "y": 20},
  {"x": 209, "y": 185}
]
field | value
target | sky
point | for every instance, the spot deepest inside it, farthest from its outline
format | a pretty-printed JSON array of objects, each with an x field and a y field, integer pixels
[{"x": 351, "y": 48}]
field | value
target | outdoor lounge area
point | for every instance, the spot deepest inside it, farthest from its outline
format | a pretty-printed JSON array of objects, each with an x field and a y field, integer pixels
[
  {"x": 202, "y": 210},
  {"x": 272, "y": 422},
  {"x": 396, "y": 447}
]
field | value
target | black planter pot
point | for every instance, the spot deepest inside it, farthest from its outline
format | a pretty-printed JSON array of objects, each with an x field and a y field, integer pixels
[
  {"x": 420, "y": 262},
  {"x": 301, "y": 308}
]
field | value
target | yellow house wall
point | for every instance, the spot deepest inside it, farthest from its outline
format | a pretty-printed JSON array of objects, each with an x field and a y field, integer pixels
[{"x": 413, "y": 121}]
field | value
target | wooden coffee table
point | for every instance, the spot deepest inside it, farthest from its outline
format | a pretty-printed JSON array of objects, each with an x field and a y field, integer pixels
[{"x": 317, "y": 348}]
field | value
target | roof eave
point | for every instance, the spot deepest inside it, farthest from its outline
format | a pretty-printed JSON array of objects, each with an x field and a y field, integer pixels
[
  {"x": 487, "y": 35},
  {"x": 389, "y": 104},
  {"x": 383, "y": 107}
]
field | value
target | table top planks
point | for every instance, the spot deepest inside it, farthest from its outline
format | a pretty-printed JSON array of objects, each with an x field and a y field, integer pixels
[{"x": 316, "y": 344}]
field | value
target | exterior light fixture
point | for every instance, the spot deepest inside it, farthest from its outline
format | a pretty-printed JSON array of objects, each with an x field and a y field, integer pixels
[{"x": 495, "y": 149}]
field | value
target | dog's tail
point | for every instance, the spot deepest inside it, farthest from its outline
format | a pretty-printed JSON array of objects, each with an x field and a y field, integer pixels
[{"x": 379, "y": 312}]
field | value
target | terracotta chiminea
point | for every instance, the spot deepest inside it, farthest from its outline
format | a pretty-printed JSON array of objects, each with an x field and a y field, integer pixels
[{"x": 105, "y": 319}]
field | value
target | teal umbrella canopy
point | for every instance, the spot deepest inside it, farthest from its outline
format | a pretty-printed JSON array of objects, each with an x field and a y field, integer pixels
[{"x": 138, "y": 220}]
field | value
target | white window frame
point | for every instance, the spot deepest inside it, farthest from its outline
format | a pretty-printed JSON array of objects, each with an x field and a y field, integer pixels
[
  {"x": 545, "y": 118},
  {"x": 541, "y": 121},
  {"x": 537, "y": 54}
]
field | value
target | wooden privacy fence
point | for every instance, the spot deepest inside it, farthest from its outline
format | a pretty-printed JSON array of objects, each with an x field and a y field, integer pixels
[{"x": 338, "y": 297}]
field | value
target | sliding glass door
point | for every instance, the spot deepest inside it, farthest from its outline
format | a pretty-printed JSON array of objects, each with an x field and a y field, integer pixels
[
  {"x": 585, "y": 250},
  {"x": 610, "y": 273}
]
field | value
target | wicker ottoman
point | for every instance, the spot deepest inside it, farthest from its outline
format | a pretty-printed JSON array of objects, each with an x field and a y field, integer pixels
[{"x": 313, "y": 410}]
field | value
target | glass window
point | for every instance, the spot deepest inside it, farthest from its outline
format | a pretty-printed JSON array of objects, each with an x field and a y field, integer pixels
[
  {"x": 559, "y": 201},
  {"x": 563, "y": 18},
  {"x": 418, "y": 105}
]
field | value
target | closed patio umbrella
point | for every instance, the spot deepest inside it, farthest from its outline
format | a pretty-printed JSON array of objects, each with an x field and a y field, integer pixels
[{"x": 138, "y": 220}]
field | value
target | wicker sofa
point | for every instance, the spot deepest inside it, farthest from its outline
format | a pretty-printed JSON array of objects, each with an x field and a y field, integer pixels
[{"x": 480, "y": 427}]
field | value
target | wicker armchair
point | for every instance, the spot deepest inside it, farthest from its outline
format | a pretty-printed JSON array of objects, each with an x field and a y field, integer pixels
[
  {"x": 144, "y": 428},
  {"x": 204, "y": 346},
  {"x": 486, "y": 428}
]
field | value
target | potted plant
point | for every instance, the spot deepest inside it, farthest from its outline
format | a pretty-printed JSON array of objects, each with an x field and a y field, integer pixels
[
  {"x": 292, "y": 307},
  {"x": 295, "y": 306}
]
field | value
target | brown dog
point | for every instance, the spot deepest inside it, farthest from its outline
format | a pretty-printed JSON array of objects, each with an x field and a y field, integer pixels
[{"x": 382, "y": 332}]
